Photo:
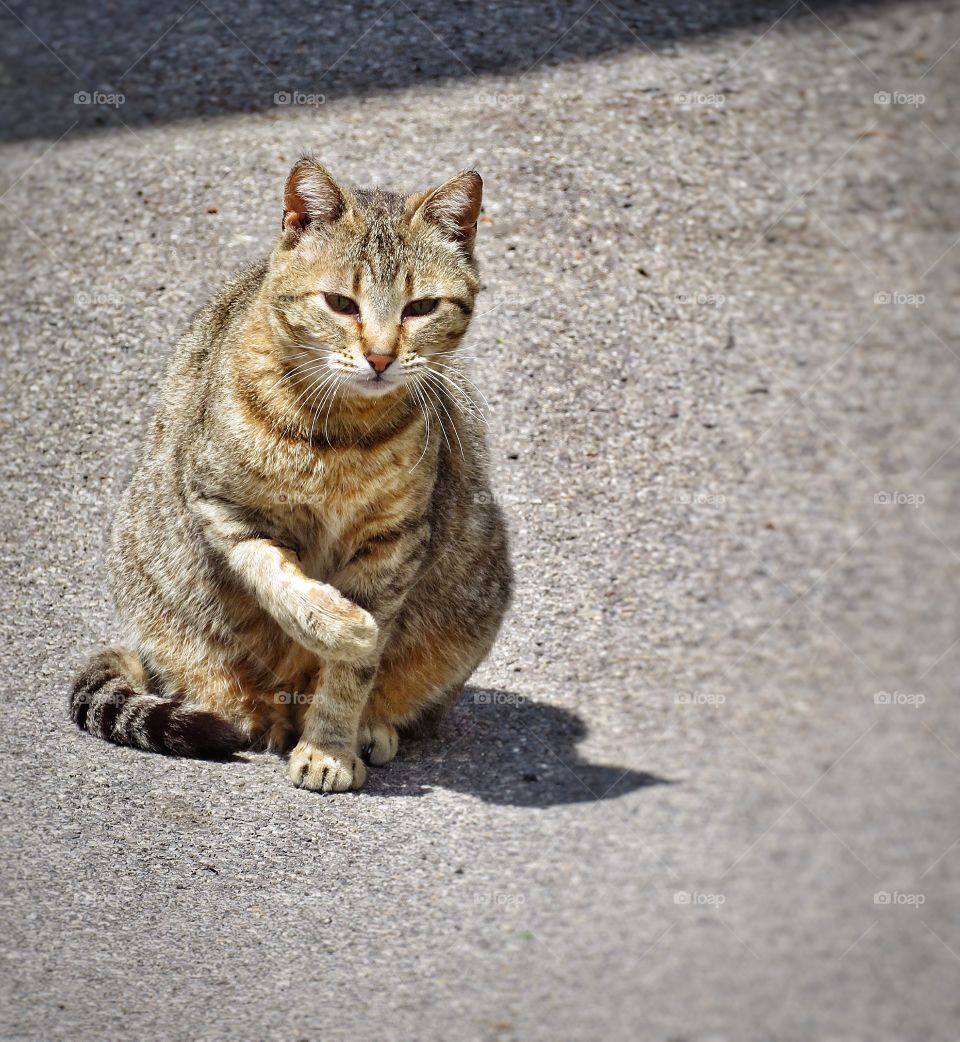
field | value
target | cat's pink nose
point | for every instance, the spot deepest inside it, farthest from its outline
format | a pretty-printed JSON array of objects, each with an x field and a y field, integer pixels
[{"x": 379, "y": 362}]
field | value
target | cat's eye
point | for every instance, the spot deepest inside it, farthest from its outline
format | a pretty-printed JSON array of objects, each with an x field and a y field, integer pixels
[
  {"x": 341, "y": 304},
  {"x": 416, "y": 308}
]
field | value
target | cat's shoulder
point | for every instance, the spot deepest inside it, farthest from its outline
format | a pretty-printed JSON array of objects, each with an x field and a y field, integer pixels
[{"x": 230, "y": 301}]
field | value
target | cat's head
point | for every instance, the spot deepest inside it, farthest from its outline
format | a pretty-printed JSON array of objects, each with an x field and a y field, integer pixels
[{"x": 373, "y": 286}]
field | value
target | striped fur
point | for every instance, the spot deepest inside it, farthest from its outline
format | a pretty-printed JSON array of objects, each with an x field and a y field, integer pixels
[
  {"x": 110, "y": 701},
  {"x": 310, "y": 551}
]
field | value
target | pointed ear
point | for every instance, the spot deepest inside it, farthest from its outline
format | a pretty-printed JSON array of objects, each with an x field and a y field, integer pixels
[
  {"x": 454, "y": 206},
  {"x": 311, "y": 194}
]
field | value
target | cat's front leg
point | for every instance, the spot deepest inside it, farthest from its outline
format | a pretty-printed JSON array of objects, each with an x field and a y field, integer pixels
[
  {"x": 325, "y": 759},
  {"x": 314, "y": 614},
  {"x": 378, "y": 576}
]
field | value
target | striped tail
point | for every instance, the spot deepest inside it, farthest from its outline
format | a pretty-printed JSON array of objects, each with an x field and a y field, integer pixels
[{"x": 110, "y": 700}]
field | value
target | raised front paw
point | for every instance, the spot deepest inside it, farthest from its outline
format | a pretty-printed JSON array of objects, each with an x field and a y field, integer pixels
[
  {"x": 325, "y": 769},
  {"x": 333, "y": 626},
  {"x": 378, "y": 742}
]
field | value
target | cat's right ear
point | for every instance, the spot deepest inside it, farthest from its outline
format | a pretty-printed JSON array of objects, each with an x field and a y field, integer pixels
[{"x": 311, "y": 195}]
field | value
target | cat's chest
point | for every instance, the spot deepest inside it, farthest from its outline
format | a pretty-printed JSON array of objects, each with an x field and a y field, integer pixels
[
  {"x": 327, "y": 518},
  {"x": 325, "y": 535}
]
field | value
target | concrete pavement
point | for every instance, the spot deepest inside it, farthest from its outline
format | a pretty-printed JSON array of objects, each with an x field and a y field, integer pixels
[{"x": 705, "y": 788}]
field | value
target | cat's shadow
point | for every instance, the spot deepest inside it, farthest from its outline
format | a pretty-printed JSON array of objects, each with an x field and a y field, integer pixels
[{"x": 506, "y": 749}]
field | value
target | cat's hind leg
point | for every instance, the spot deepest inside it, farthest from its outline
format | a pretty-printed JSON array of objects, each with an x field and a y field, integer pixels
[{"x": 248, "y": 697}]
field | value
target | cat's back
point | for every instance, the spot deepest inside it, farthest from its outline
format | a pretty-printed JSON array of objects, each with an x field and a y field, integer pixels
[
  {"x": 154, "y": 502},
  {"x": 197, "y": 360}
]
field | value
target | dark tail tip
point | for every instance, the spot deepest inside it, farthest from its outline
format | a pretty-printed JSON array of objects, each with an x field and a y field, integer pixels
[
  {"x": 110, "y": 700},
  {"x": 194, "y": 732}
]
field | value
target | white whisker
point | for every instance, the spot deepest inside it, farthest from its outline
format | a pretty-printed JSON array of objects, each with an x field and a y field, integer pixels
[
  {"x": 313, "y": 388},
  {"x": 426, "y": 421},
  {"x": 461, "y": 395},
  {"x": 284, "y": 422},
  {"x": 428, "y": 396},
  {"x": 463, "y": 376},
  {"x": 437, "y": 392},
  {"x": 295, "y": 370},
  {"x": 325, "y": 402}
]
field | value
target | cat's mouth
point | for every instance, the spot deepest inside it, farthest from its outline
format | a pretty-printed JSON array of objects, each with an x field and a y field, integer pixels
[{"x": 375, "y": 385}]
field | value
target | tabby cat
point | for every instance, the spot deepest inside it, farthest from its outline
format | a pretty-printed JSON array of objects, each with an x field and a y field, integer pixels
[{"x": 309, "y": 558}]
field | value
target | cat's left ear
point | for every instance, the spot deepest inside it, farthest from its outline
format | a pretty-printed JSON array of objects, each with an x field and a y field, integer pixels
[
  {"x": 454, "y": 206},
  {"x": 311, "y": 194}
]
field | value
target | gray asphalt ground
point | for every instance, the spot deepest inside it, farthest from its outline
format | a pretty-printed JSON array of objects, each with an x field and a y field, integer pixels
[{"x": 706, "y": 786}]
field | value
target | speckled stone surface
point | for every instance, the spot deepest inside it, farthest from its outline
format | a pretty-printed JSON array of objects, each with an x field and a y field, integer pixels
[{"x": 706, "y": 786}]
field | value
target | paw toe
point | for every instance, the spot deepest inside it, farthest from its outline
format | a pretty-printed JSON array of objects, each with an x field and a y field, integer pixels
[
  {"x": 325, "y": 770},
  {"x": 378, "y": 743}
]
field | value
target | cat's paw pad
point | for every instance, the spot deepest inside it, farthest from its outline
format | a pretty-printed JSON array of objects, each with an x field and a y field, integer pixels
[
  {"x": 378, "y": 743},
  {"x": 325, "y": 769}
]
